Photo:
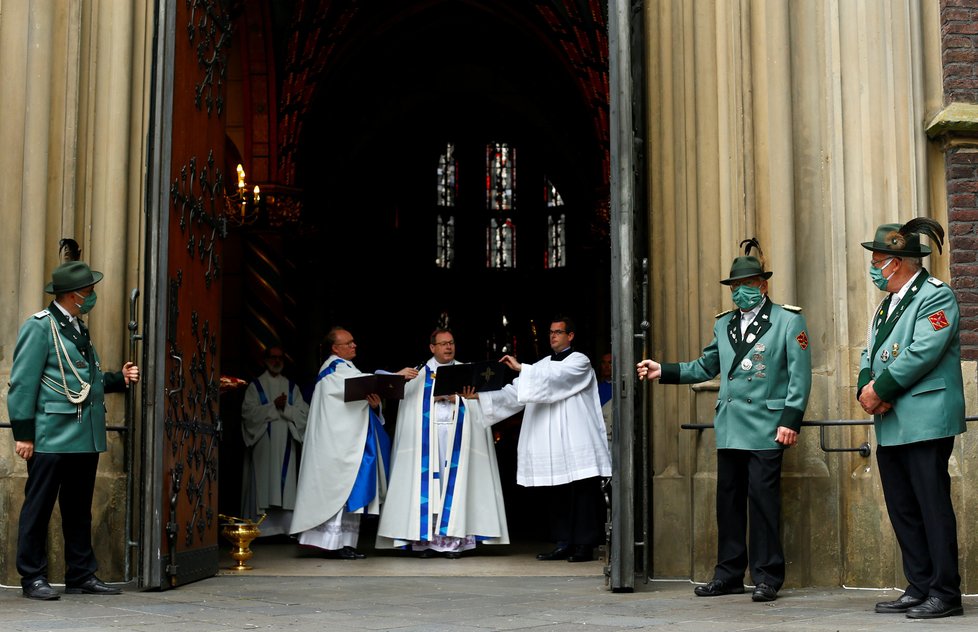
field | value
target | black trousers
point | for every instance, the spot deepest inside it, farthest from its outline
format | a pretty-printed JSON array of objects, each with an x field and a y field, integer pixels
[
  {"x": 749, "y": 487},
  {"x": 69, "y": 479},
  {"x": 577, "y": 512},
  {"x": 917, "y": 489}
]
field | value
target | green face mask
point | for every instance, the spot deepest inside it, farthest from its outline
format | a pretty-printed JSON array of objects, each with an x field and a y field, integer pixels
[
  {"x": 88, "y": 302},
  {"x": 747, "y": 297},
  {"x": 876, "y": 274}
]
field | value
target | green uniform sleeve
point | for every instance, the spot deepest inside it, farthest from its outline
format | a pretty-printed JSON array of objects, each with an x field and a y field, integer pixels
[
  {"x": 797, "y": 342},
  {"x": 30, "y": 358}
]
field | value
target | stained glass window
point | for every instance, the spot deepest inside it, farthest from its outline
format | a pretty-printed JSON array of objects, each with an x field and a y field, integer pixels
[
  {"x": 556, "y": 241},
  {"x": 550, "y": 194},
  {"x": 447, "y": 189},
  {"x": 445, "y": 240},
  {"x": 500, "y": 177},
  {"x": 447, "y": 176},
  {"x": 501, "y": 244}
]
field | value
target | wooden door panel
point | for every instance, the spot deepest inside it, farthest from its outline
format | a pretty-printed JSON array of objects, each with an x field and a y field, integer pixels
[{"x": 192, "y": 416}]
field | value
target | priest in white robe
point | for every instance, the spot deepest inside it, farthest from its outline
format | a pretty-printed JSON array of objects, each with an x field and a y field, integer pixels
[
  {"x": 344, "y": 469},
  {"x": 444, "y": 494},
  {"x": 273, "y": 422},
  {"x": 563, "y": 445}
]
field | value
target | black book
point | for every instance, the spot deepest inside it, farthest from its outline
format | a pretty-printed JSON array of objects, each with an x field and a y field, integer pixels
[
  {"x": 484, "y": 376},
  {"x": 387, "y": 386}
]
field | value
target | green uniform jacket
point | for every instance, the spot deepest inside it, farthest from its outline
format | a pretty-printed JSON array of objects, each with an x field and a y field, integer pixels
[
  {"x": 916, "y": 362},
  {"x": 40, "y": 414},
  {"x": 766, "y": 378}
]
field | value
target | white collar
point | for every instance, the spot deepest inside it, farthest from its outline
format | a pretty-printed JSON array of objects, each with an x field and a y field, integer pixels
[
  {"x": 434, "y": 364},
  {"x": 898, "y": 296},
  {"x": 753, "y": 311},
  {"x": 70, "y": 318}
]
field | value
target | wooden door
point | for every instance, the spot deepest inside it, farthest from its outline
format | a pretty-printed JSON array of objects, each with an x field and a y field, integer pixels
[{"x": 185, "y": 232}]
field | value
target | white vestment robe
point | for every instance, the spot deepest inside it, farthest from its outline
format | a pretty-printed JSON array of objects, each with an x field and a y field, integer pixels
[
  {"x": 272, "y": 438},
  {"x": 563, "y": 436},
  {"x": 444, "y": 476},
  {"x": 333, "y": 451}
]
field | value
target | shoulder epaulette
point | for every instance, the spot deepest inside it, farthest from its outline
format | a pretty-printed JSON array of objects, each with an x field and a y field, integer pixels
[
  {"x": 792, "y": 308},
  {"x": 722, "y": 314},
  {"x": 935, "y": 281},
  {"x": 42, "y": 314}
]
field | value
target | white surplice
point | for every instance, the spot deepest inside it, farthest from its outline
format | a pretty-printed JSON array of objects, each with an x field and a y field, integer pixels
[
  {"x": 272, "y": 438},
  {"x": 333, "y": 450},
  {"x": 563, "y": 435},
  {"x": 455, "y": 463}
]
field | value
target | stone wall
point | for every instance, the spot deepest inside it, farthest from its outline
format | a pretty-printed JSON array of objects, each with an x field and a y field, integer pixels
[{"x": 959, "y": 53}]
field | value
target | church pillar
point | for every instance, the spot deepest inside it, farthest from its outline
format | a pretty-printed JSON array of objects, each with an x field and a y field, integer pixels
[
  {"x": 73, "y": 159},
  {"x": 955, "y": 132},
  {"x": 801, "y": 124}
]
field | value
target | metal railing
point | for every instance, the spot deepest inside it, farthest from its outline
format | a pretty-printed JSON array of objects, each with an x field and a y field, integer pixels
[{"x": 864, "y": 449}]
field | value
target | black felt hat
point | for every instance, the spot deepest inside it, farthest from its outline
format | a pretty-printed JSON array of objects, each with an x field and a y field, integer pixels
[
  {"x": 747, "y": 265},
  {"x": 71, "y": 276}
]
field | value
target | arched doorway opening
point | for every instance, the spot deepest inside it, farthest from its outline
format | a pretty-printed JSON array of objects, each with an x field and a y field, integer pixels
[{"x": 375, "y": 104}]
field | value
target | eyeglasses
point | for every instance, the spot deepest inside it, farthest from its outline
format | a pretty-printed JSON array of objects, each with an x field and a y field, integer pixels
[
  {"x": 444, "y": 343},
  {"x": 557, "y": 332},
  {"x": 881, "y": 262},
  {"x": 346, "y": 344},
  {"x": 752, "y": 282}
]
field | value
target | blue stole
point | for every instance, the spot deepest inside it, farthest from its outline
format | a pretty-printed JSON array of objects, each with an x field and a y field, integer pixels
[
  {"x": 263, "y": 398},
  {"x": 429, "y": 382},
  {"x": 376, "y": 444},
  {"x": 446, "y": 511},
  {"x": 426, "y": 456}
]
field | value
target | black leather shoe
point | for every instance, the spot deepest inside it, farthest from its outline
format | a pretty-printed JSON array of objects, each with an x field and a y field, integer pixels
[
  {"x": 719, "y": 587},
  {"x": 427, "y": 554},
  {"x": 581, "y": 554},
  {"x": 764, "y": 592},
  {"x": 559, "y": 553},
  {"x": 935, "y": 608},
  {"x": 40, "y": 589},
  {"x": 452, "y": 555},
  {"x": 92, "y": 586},
  {"x": 904, "y": 603},
  {"x": 349, "y": 553}
]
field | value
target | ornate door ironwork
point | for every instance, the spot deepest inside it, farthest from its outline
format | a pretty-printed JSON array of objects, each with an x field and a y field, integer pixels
[{"x": 188, "y": 200}]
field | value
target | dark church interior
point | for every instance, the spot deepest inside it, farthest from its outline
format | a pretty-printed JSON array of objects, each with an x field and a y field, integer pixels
[{"x": 447, "y": 163}]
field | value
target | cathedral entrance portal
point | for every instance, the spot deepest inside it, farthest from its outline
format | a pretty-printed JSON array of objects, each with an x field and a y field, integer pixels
[{"x": 409, "y": 166}]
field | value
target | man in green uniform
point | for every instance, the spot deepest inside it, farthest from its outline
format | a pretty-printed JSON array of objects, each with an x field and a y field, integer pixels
[
  {"x": 910, "y": 381},
  {"x": 56, "y": 406},
  {"x": 761, "y": 352}
]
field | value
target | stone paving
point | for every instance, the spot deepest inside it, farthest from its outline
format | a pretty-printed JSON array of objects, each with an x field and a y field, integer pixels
[{"x": 454, "y": 604}]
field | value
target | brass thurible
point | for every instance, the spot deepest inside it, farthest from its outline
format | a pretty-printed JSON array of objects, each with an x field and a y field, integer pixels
[{"x": 240, "y": 532}]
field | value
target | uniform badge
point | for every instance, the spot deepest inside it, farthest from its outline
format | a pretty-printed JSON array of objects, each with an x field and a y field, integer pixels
[
  {"x": 896, "y": 349},
  {"x": 751, "y": 337},
  {"x": 760, "y": 375},
  {"x": 746, "y": 364},
  {"x": 760, "y": 367},
  {"x": 759, "y": 347},
  {"x": 80, "y": 364},
  {"x": 885, "y": 355},
  {"x": 757, "y": 357},
  {"x": 802, "y": 339},
  {"x": 938, "y": 320}
]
